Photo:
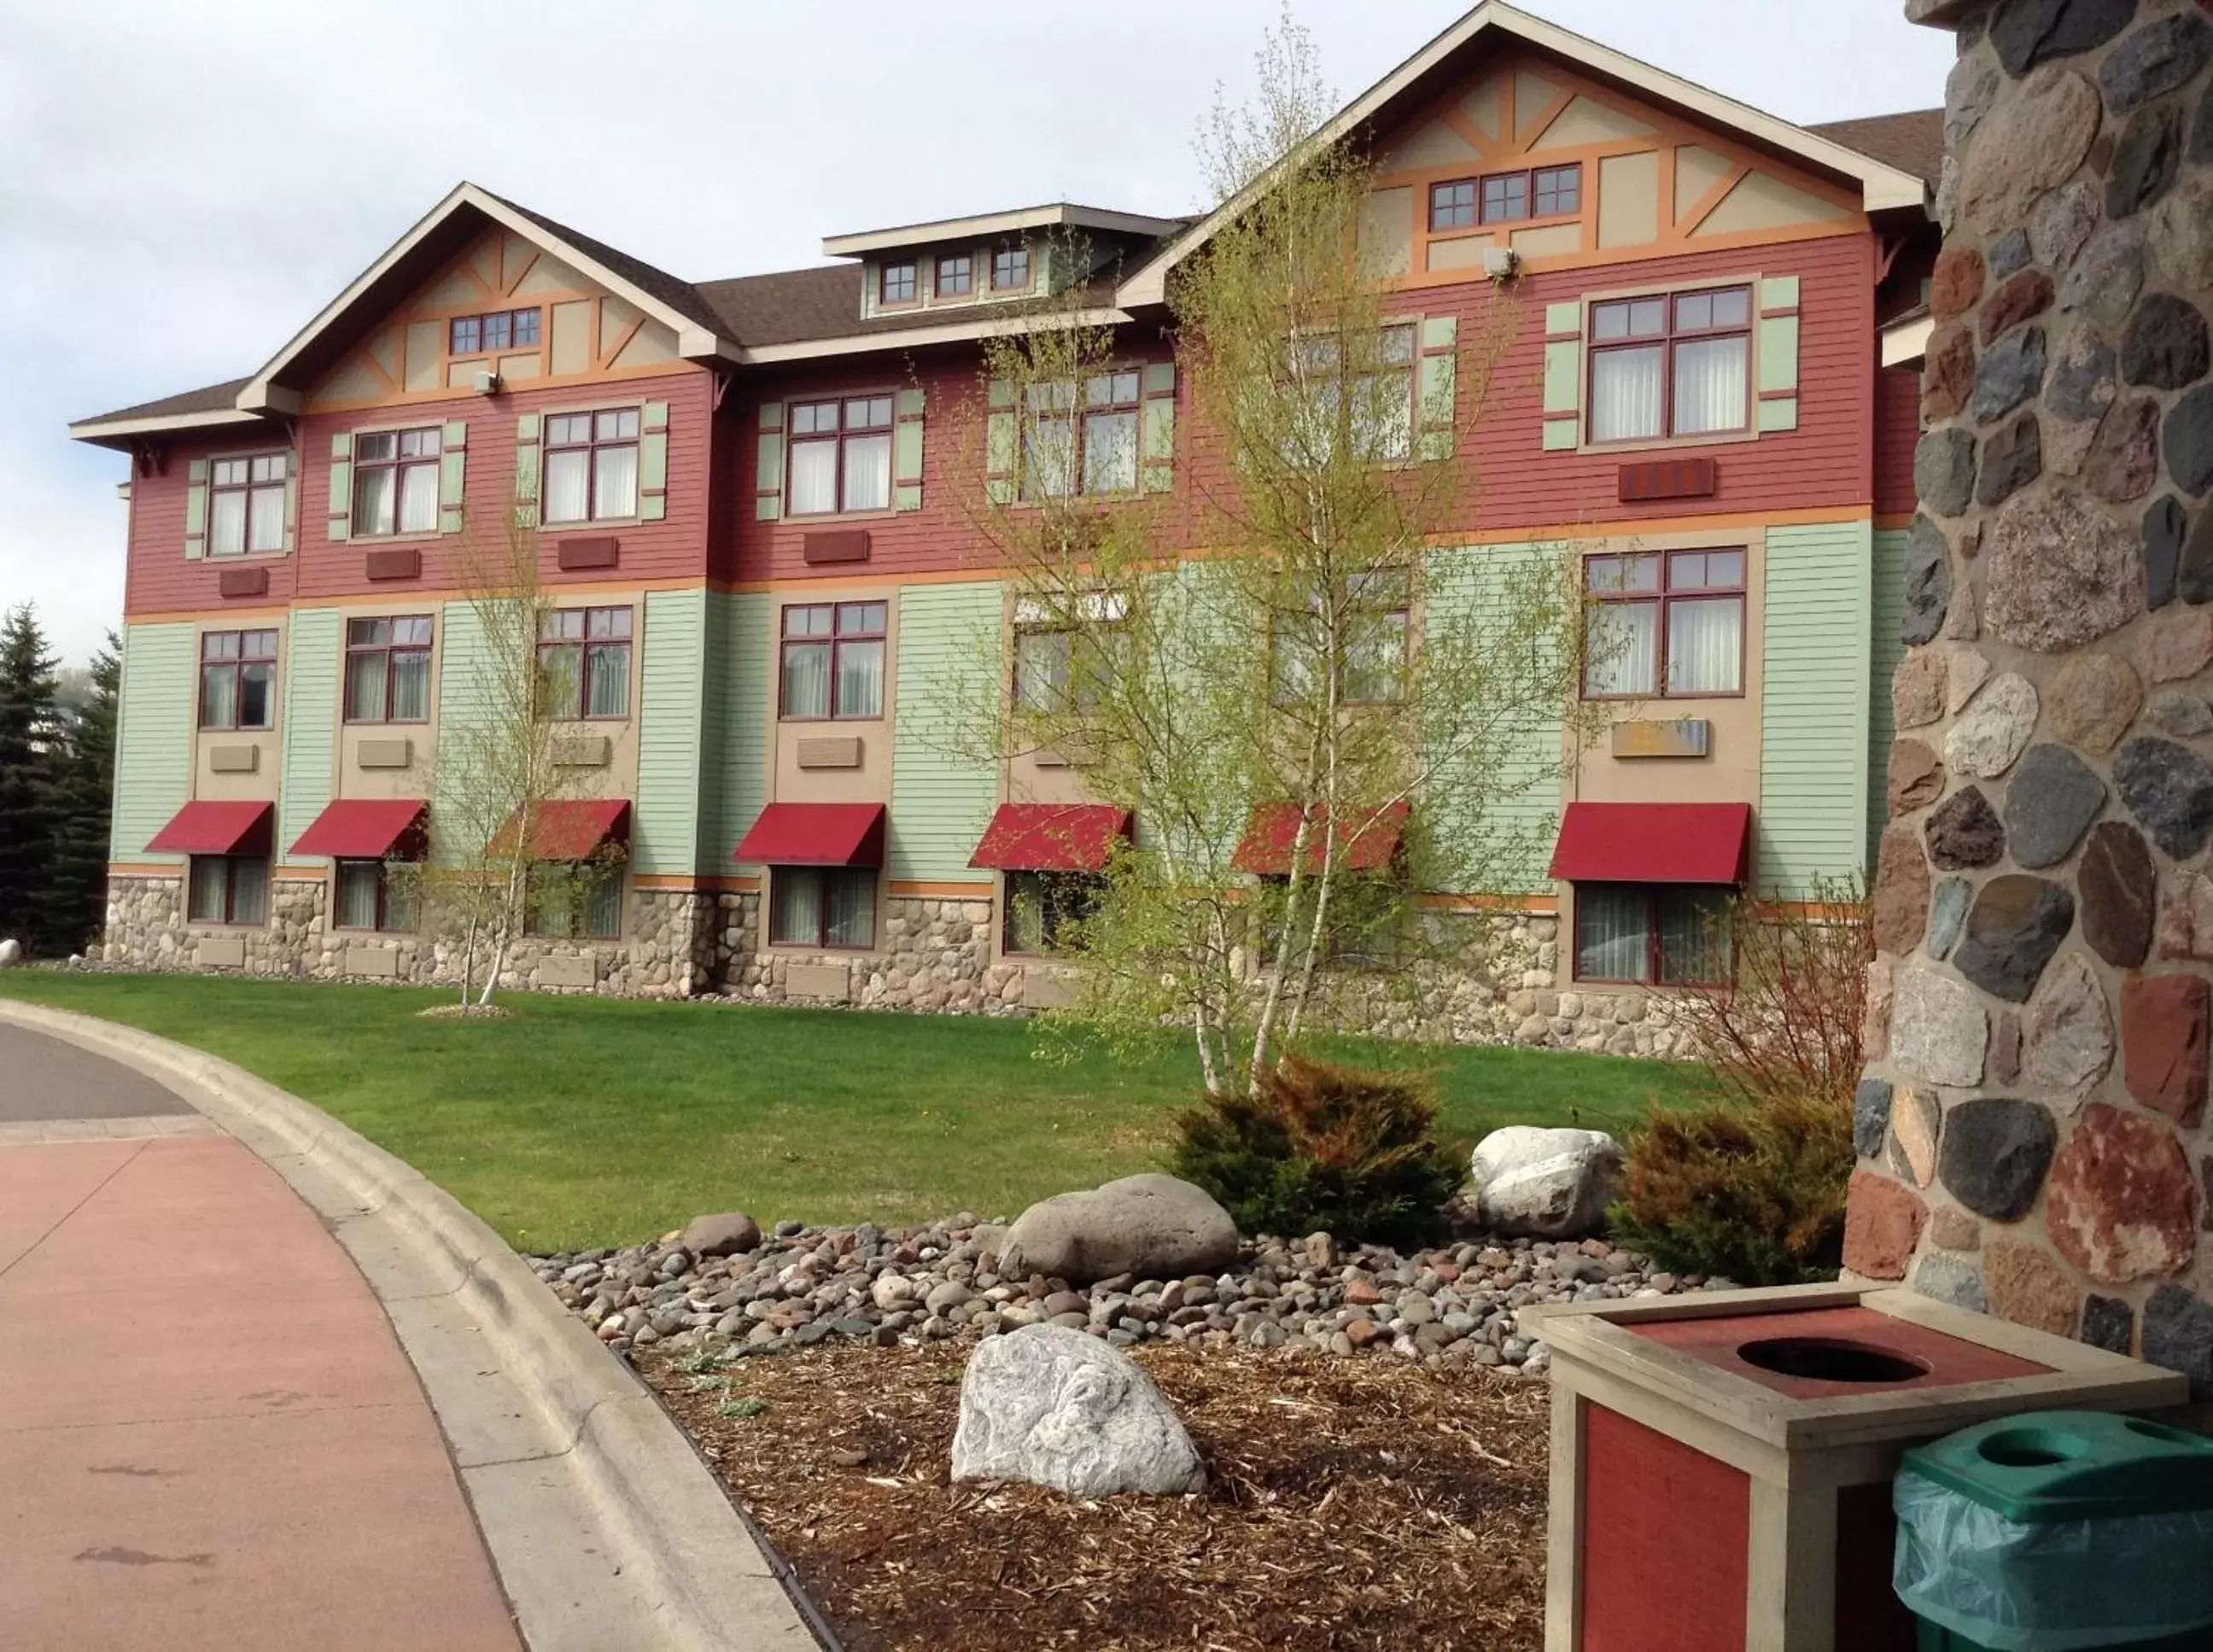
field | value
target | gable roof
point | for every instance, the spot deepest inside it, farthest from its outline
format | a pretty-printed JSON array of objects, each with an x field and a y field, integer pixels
[
  {"x": 1881, "y": 183},
  {"x": 1053, "y": 214},
  {"x": 1912, "y": 142}
]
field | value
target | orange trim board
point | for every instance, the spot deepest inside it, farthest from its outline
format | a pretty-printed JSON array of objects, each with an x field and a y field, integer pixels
[{"x": 389, "y": 601}]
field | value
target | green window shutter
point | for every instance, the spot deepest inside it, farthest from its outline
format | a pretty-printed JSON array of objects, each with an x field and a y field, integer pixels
[
  {"x": 526, "y": 471},
  {"x": 1563, "y": 376},
  {"x": 1776, "y": 351},
  {"x": 906, "y": 451},
  {"x": 999, "y": 444},
  {"x": 653, "y": 462},
  {"x": 341, "y": 510},
  {"x": 452, "y": 474},
  {"x": 196, "y": 509},
  {"x": 768, "y": 465},
  {"x": 1156, "y": 427},
  {"x": 1438, "y": 388}
]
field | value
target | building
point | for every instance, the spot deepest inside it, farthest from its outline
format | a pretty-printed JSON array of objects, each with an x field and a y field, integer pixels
[{"x": 755, "y": 544}]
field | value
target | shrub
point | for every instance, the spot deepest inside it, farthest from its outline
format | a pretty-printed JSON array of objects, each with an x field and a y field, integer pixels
[
  {"x": 1754, "y": 1192},
  {"x": 1316, "y": 1146}
]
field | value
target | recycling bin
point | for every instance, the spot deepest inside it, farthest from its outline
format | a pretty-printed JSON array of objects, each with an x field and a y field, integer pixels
[
  {"x": 1722, "y": 1462},
  {"x": 2057, "y": 1531}
]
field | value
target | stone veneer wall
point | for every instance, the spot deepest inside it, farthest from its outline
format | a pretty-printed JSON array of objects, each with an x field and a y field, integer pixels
[{"x": 2031, "y": 1123}]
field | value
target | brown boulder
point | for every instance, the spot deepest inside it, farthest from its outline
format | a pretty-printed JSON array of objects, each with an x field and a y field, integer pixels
[
  {"x": 2092, "y": 700},
  {"x": 2163, "y": 1043},
  {"x": 1882, "y": 1220},
  {"x": 1956, "y": 282},
  {"x": 2027, "y": 293},
  {"x": 2120, "y": 1203},
  {"x": 1916, "y": 778},
  {"x": 2027, "y": 1287},
  {"x": 1948, "y": 376},
  {"x": 2118, "y": 885},
  {"x": 1898, "y": 909}
]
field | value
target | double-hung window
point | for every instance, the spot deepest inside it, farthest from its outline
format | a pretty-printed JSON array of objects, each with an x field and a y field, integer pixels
[
  {"x": 368, "y": 898},
  {"x": 246, "y": 504},
  {"x": 388, "y": 669},
  {"x": 1081, "y": 439},
  {"x": 1671, "y": 624},
  {"x": 228, "y": 889},
  {"x": 238, "y": 679},
  {"x": 1373, "y": 401},
  {"x": 395, "y": 482},
  {"x": 591, "y": 466},
  {"x": 1063, "y": 664},
  {"x": 827, "y": 906},
  {"x": 583, "y": 663},
  {"x": 833, "y": 661},
  {"x": 1366, "y": 637},
  {"x": 1671, "y": 365},
  {"x": 1654, "y": 935},
  {"x": 841, "y": 455},
  {"x": 956, "y": 275}
]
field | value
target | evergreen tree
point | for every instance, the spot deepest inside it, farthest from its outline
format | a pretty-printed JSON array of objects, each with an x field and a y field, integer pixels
[
  {"x": 30, "y": 746},
  {"x": 77, "y": 891}
]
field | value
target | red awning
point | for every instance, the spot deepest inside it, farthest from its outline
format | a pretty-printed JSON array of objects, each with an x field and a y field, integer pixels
[
  {"x": 367, "y": 829},
  {"x": 1654, "y": 843},
  {"x": 1051, "y": 836},
  {"x": 571, "y": 828},
  {"x": 1367, "y": 840},
  {"x": 814, "y": 834},
  {"x": 218, "y": 829}
]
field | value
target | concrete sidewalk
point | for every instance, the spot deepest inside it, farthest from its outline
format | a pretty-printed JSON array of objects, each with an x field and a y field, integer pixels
[{"x": 209, "y": 1436}]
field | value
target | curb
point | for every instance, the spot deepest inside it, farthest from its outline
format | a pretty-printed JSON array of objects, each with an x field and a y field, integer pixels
[{"x": 698, "y": 1577}]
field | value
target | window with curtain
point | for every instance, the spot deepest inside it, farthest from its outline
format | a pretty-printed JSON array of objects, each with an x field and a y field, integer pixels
[
  {"x": 1042, "y": 909},
  {"x": 238, "y": 679},
  {"x": 583, "y": 663},
  {"x": 246, "y": 505},
  {"x": 828, "y": 906},
  {"x": 579, "y": 900},
  {"x": 387, "y": 676},
  {"x": 832, "y": 661},
  {"x": 590, "y": 465},
  {"x": 1360, "y": 631},
  {"x": 370, "y": 897},
  {"x": 840, "y": 455},
  {"x": 1654, "y": 934},
  {"x": 1666, "y": 624},
  {"x": 395, "y": 482},
  {"x": 1671, "y": 365},
  {"x": 1373, "y": 405},
  {"x": 228, "y": 889}
]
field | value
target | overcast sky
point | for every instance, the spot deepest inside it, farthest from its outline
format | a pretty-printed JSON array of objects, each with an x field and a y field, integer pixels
[{"x": 183, "y": 186}]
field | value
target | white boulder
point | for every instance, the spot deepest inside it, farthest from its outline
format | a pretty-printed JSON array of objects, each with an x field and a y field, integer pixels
[
  {"x": 12, "y": 952},
  {"x": 1058, "y": 1408},
  {"x": 1153, "y": 1226},
  {"x": 1547, "y": 1184}
]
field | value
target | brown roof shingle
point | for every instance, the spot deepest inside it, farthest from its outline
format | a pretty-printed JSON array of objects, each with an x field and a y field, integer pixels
[
  {"x": 1912, "y": 142},
  {"x": 210, "y": 398}
]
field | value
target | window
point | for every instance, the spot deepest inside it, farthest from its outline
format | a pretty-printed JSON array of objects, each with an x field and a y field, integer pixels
[
  {"x": 1670, "y": 365},
  {"x": 591, "y": 466},
  {"x": 1506, "y": 198},
  {"x": 368, "y": 901},
  {"x": 1656, "y": 934},
  {"x": 395, "y": 482},
  {"x": 471, "y": 335},
  {"x": 1010, "y": 269},
  {"x": 833, "y": 661},
  {"x": 956, "y": 276},
  {"x": 1558, "y": 189},
  {"x": 228, "y": 889},
  {"x": 389, "y": 670},
  {"x": 1081, "y": 444},
  {"x": 1361, "y": 929},
  {"x": 1671, "y": 625},
  {"x": 583, "y": 663},
  {"x": 1063, "y": 664},
  {"x": 896, "y": 283},
  {"x": 1368, "y": 642},
  {"x": 238, "y": 679},
  {"x": 1044, "y": 909},
  {"x": 1380, "y": 419},
  {"x": 841, "y": 456},
  {"x": 822, "y": 907},
  {"x": 246, "y": 505},
  {"x": 578, "y": 900},
  {"x": 1451, "y": 206}
]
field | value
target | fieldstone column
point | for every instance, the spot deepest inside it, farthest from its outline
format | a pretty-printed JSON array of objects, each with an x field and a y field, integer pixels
[{"x": 2031, "y": 1123}]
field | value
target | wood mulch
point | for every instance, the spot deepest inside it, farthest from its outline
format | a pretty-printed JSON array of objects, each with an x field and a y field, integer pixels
[{"x": 1351, "y": 1505}]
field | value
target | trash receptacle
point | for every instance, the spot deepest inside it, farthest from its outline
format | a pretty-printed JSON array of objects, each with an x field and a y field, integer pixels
[{"x": 2057, "y": 1531}]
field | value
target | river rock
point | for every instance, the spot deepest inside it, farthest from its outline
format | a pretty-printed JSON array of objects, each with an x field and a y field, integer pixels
[
  {"x": 1965, "y": 832},
  {"x": 2174, "y": 646},
  {"x": 729, "y": 1233},
  {"x": 2028, "y": 33},
  {"x": 1927, "y": 582},
  {"x": 2187, "y": 438},
  {"x": 1871, "y": 1116},
  {"x": 2169, "y": 790},
  {"x": 1551, "y": 1184},
  {"x": 2166, "y": 345},
  {"x": 1944, "y": 470},
  {"x": 2178, "y": 1333},
  {"x": 2031, "y": 142},
  {"x": 1947, "y": 912},
  {"x": 1898, "y": 906},
  {"x": 2093, "y": 699},
  {"x": 2067, "y": 1035},
  {"x": 2164, "y": 526},
  {"x": 2161, "y": 56},
  {"x": 1063, "y": 1409},
  {"x": 2027, "y": 1287},
  {"x": 2010, "y": 372},
  {"x": 2015, "y": 926},
  {"x": 2163, "y": 1040},
  {"x": 2121, "y": 1203},
  {"x": 1985, "y": 742},
  {"x": 1151, "y": 1225},
  {"x": 2062, "y": 572},
  {"x": 1952, "y": 1280},
  {"x": 2050, "y": 803},
  {"x": 1939, "y": 1029},
  {"x": 1882, "y": 1220},
  {"x": 1916, "y": 777},
  {"x": 1994, "y": 1154},
  {"x": 2123, "y": 461},
  {"x": 2118, "y": 885}
]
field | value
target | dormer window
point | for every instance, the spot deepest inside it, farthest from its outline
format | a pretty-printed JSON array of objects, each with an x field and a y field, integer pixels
[
  {"x": 1010, "y": 270},
  {"x": 469, "y": 335},
  {"x": 956, "y": 275},
  {"x": 897, "y": 282}
]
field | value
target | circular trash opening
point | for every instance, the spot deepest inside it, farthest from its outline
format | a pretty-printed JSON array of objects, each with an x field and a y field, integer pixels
[
  {"x": 2030, "y": 1447},
  {"x": 1829, "y": 1359}
]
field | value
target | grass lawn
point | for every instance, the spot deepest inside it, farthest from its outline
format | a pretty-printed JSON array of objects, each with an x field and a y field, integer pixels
[{"x": 581, "y": 1121}]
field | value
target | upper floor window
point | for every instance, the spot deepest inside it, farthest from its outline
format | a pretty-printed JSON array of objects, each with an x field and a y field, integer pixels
[
  {"x": 1366, "y": 637},
  {"x": 1671, "y": 625},
  {"x": 583, "y": 663},
  {"x": 1084, "y": 443},
  {"x": 395, "y": 482},
  {"x": 1010, "y": 269},
  {"x": 591, "y": 466},
  {"x": 471, "y": 335},
  {"x": 1674, "y": 364},
  {"x": 246, "y": 504},
  {"x": 1506, "y": 197},
  {"x": 956, "y": 275},
  {"x": 388, "y": 669},
  {"x": 833, "y": 660},
  {"x": 1375, "y": 398},
  {"x": 841, "y": 456},
  {"x": 1556, "y": 190},
  {"x": 1452, "y": 205},
  {"x": 896, "y": 284},
  {"x": 238, "y": 679},
  {"x": 1062, "y": 663}
]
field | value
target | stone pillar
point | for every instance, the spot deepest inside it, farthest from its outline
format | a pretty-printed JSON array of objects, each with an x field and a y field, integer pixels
[{"x": 2032, "y": 1124}]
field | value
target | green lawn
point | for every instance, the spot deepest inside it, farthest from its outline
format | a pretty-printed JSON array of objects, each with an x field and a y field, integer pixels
[{"x": 583, "y": 1121}]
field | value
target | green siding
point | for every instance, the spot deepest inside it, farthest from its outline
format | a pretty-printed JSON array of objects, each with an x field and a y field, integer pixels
[
  {"x": 1886, "y": 651},
  {"x": 940, "y": 801},
  {"x": 153, "y": 736},
  {"x": 311, "y": 721},
  {"x": 733, "y": 766},
  {"x": 461, "y": 700},
  {"x": 1816, "y": 669},
  {"x": 671, "y": 690}
]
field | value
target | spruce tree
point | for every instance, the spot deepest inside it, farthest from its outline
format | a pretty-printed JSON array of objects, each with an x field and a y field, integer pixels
[
  {"x": 76, "y": 905},
  {"x": 30, "y": 745}
]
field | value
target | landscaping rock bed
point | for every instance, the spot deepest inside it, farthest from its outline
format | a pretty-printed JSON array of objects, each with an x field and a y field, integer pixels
[{"x": 798, "y": 1287}]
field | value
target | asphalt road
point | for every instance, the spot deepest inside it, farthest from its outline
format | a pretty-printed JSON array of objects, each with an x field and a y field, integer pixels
[{"x": 43, "y": 1078}]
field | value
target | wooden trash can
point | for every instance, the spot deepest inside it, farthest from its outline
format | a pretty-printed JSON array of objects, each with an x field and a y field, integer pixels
[{"x": 1722, "y": 1462}]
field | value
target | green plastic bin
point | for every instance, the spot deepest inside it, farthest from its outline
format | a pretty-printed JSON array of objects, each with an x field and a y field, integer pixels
[{"x": 2056, "y": 1530}]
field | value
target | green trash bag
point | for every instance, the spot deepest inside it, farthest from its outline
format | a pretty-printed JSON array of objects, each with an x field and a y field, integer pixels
[{"x": 2049, "y": 1586}]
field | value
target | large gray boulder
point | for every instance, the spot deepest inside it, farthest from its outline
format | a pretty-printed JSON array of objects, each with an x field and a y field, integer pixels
[
  {"x": 1152, "y": 1226},
  {"x": 1062, "y": 1409},
  {"x": 1547, "y": 1184}
]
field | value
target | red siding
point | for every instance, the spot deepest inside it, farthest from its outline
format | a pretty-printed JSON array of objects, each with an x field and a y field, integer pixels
[
  {"x": 1897, "y": 430},
  {"x": 1665, "y": 1531},
  {"x": 156, "y": 576}
]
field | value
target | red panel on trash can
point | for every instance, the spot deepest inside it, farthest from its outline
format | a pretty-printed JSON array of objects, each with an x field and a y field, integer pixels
[
  {"x": 1948, "y": 1360},
  {"x": 1870, "y": 1617},
  {"x": 1665, "y": 1535}
]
